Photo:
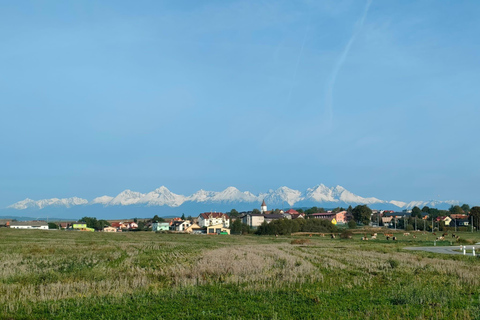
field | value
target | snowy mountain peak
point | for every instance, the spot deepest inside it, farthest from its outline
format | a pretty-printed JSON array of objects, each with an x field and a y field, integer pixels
[
  {"x": 162, "y": 196},
  {"x": 40, "y": 204}
]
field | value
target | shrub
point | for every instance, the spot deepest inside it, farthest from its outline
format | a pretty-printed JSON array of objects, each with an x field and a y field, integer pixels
[
  {"x": 465, "y": 241},
  {"x": 352, "y": 224},
  {"x": 346, "y": 234},
  {"x": 393, "y": 263},
  {"x": 300, "y": 241}
]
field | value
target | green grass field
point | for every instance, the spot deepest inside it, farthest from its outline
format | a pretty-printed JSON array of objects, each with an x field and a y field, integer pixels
[{"x": 143, "y": 275}]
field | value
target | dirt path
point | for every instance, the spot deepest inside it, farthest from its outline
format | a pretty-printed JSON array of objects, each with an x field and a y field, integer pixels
[{"x": 448, "y": 250}]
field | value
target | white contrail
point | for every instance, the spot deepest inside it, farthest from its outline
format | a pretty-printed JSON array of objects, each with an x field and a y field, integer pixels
[
  {"x": 339, "y": 64},
  {"x": 296, "y": 66}
]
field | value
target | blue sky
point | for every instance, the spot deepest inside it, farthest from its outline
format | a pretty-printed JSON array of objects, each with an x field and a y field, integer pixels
[{"x": 98, "y": 97}]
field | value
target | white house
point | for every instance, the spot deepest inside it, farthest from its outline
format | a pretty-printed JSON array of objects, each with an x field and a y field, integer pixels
[
  {"x": 213, "y": 218},
  {"x": 180, "y": 225},
  {"x": 42, "y": 225}
]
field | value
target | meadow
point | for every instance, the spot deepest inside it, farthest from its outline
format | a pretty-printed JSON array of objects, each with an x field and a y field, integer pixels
[{"x": 146, "y": 275}]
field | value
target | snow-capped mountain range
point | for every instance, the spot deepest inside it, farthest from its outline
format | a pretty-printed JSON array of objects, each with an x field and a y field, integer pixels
[{"x": 319, "y": 195}]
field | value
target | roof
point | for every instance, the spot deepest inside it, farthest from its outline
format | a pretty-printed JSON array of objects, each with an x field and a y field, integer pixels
[
  {"x": 273, "y": 216},
  {"x": 36, "y": 223},
  {"x": 263, "y": 203},
  {"x": 396, "y": 214},
  {"x": 321, "y": 214},
  {"x": 210, "y": 215},
  {"x": 291, "y": 211}
]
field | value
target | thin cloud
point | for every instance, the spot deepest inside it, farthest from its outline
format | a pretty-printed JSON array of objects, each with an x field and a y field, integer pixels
[{"x": 338, "y": 66}]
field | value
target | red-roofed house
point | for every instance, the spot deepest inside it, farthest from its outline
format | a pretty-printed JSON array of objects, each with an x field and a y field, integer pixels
[{"x": 207, "y": 219}]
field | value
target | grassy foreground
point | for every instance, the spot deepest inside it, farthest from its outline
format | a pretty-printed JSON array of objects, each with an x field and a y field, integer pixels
[{"x": 58, "y": 275}]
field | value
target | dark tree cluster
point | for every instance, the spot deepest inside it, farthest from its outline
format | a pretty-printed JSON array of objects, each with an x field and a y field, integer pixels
[
  {"x": 93, "y": 223},
  {"x": 287, "y": 226}
]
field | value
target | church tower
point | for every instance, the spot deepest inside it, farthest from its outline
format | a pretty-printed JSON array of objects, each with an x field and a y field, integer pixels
[{"x": 263, "y": 208}]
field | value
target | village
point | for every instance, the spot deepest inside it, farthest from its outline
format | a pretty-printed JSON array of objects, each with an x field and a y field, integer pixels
[{"x": 233, "y": 222}]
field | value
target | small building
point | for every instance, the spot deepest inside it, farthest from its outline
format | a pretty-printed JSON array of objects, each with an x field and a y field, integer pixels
[
  {"x": 109, "y": 229},
  {"x": 180, "y": 226},
  {"x": 37, "y": 224},
  {"x": 445, "y": 219},
  {"x": 160, "y": 226},
  {"x": 193, "y": 228},
  {"x": 79, "y": 225},
  {"x": 218, "y": 229}
]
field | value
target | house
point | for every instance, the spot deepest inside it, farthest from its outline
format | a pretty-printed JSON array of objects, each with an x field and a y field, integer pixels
[
  {"x": 461, "y": 222},
  {"x": 387, "y": 221},
  {"x": 64, "y": 225},
  {"x": 213, "y": 218},
  {"x": 253, "y": 220},
  {"x": 459, "y": 216},
  {"x": 294, "y": 214},
  {"x": 121, "y": 225},
  {"x": 132, "y": 225},
  {"x": 180, "y": 226},
  {"x": 445, "y": 219},
  {"x": 193, "y": 228},
  {"x": 109, "y": 229},
  {"x": 37, "y": 224},
  {"x": 79, "y": 225},
  {"x": 5, "y": 223},
  {"x": 218, "y": 229},
  {"x": 160, "y": 226},
  {"x": 330, "y": 216}
]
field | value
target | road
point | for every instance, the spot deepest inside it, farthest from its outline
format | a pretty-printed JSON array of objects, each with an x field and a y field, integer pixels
[{"x": 448, "y": 250}]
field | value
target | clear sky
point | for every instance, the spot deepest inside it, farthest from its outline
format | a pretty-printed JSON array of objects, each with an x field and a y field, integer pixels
[{"x": 381, "y": 97}]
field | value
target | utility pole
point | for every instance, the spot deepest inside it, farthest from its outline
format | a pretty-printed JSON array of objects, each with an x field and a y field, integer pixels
[{"x": 432, "y": 225}]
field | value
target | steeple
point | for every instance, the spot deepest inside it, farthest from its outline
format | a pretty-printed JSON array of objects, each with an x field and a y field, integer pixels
[{"x": 263, "y": 207}]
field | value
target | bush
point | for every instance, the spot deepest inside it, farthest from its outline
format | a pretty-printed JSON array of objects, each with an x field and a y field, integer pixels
[
  {"x": 300, "y": 241},
  {"x": 352, "y": 224},
  {"x": 409, "y": 227},
  {"x": 393, "y": 263},
  {"x": 465, "y": 241},
  {"x": 346, "y": 234}
]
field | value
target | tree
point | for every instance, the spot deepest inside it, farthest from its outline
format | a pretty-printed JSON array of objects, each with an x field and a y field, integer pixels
[
  {"x": 233, "y": 213},
  {"x": 465, "y": 207},
  {"x": 349, "y": 209},
  {"x": 256, "y": 211},
  {"x": 352, "y": 224},
  {"x": 236, "y": 227},
  {"x": 52, "y": 225},
  {"x": 475, "y": 213},
  {"x": 362, "y": 213},
  {"x": 157, "y": 219},
  {"x": 416, "y": 212},
  {"x": 300, "y": 210},
  {"x": 183, "y": 216},
  {"x": 456, "y": 210},
  {"x": 189, "y": 218},
  {"x": 426, "y": 209},
  {"x": 93, "y": 223}
]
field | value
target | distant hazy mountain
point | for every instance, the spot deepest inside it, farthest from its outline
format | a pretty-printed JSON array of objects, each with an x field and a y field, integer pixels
[{"x": 163, "y": 200}]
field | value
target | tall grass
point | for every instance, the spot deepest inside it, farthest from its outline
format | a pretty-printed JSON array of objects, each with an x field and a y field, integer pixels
[{"x": 146, "y": 275}]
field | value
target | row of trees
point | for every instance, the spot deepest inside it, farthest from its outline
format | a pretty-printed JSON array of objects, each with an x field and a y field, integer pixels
[{"x": 287, "y": 226}]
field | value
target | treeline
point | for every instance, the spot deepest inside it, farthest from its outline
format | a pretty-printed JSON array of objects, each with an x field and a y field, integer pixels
[{"x": 287, "y": 226}]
